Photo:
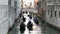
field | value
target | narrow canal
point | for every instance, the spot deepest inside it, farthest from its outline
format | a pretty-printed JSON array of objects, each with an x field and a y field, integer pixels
[{"x": 42, "y": 28}]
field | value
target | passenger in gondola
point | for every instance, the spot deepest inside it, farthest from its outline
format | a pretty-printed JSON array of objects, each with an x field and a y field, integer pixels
[
  {"x": 30, "y": 25},
  {"x": 36, "y": 21},
  {"x": 22, "y": 27}
]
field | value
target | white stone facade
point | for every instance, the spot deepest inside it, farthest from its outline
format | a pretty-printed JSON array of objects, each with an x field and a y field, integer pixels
[
  {"x": 53, "y": 12},
  {"x": 28, "y": 3},
  {"x": 7, "y": 17}
]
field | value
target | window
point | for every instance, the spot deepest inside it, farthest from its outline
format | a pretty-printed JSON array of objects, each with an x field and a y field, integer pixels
[
  {"x": 49, "y": 1},
  {"x": 15, "y": 5},
  {"x": 59, "y": 1},
  {"x": 55, "y": 13},
  {"x": 48, "y": 12},
  {"x": 59, "y": 14},
  {"x": 9, "y": 2},
  {"x": 51, "y": 13}
]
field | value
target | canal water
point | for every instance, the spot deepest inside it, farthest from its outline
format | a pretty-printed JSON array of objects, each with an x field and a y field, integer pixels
[{"x": 51, "y": 30}]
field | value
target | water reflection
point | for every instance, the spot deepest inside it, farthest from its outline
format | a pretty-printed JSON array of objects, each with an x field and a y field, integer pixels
[{"x": 51, "y": 30}]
